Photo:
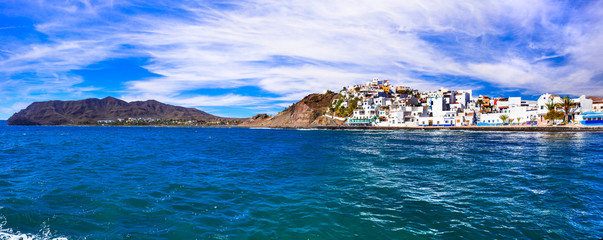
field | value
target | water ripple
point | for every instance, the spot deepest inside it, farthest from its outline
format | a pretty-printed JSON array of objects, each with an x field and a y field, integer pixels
[{"x": 178, "y": 183}]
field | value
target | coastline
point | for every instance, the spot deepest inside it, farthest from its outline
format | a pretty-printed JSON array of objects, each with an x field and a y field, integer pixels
[
  {"x": 382, "y": 128},
  {"x": 477, "y": 128}
]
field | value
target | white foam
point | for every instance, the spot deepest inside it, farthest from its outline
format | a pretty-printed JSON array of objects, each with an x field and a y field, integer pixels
[
  {"x": 10, "y": 234},
  {"x": 23, "y": 236}
]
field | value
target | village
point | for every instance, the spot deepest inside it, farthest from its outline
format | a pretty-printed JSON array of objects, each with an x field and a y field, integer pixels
[
  {"x": 379, "y": 103},
  {"x": 158, "y": 122}
]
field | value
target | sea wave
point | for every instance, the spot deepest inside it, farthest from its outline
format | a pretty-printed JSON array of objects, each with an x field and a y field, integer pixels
[
  {"x": 24, "y": 236},
  {"x": 10, "y": 234},
  {"x": 177, "y": 183}
]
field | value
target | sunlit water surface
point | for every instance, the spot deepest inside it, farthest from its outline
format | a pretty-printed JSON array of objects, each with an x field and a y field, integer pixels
[{"x": 231, "y": 183}]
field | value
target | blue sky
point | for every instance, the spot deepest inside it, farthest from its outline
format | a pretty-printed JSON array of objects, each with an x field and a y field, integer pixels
[{"x": 240, "y": 58}]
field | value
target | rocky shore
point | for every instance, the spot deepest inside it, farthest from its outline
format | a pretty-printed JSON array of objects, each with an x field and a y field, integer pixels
[{"x": 306, "y": 113}]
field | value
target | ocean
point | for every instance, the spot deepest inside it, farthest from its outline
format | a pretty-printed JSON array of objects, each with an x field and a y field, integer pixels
[{"x": 65, "y": 182}]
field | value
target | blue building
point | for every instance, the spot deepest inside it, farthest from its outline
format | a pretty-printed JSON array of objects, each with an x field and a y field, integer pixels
[{"x": 592, "y": 118}]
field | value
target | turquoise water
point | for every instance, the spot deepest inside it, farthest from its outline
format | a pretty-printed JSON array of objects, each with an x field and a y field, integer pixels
[{"x": 222, "y": 183}]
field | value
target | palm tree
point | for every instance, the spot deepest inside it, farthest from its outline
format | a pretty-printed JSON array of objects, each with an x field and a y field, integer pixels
[
  {"x": 518, "y": 119},
  {"x": 567, "y": 104},
  {"x": 551, "y": 106},
  {"x": 504, "y": 118}
]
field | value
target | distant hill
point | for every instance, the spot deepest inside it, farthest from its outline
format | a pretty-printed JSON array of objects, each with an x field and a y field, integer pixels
[
  {"x": 109, "y": 108},
  {"x": 306, "y": 113}
]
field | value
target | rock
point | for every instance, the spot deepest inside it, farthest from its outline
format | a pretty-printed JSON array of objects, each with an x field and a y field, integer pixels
[
  {"x": 305, "y": 113},
  {"x": 260, "y": 116}
]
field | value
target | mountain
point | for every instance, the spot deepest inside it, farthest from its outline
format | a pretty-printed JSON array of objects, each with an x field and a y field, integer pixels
[
  {"x": 306, "y": 113},
  {"x": 109, "y": 108}
]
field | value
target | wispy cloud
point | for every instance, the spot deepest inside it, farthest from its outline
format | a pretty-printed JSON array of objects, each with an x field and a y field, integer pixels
[
  {"x": 292, "y": 48},
  {"x": 15, "y": 107}
]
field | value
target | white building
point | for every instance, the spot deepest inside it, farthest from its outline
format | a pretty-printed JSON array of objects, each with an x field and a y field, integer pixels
[
  {"x": 543, "y": 100},
  {"x": 597, "y": 104},
  {"x": 584, "y": 104},
  {"x": 516, "y": 115}
]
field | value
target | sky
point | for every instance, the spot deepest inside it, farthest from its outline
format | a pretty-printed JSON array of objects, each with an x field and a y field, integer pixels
[{"x": 240, "y": 58}]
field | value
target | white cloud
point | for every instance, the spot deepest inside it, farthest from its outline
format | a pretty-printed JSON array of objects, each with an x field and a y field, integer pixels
[
  {"x": 200, "y": 100},
  {"x": 322, "y": 45},
  {"x": 15, "y": 107},
  {"x": 356, "y": 39}
]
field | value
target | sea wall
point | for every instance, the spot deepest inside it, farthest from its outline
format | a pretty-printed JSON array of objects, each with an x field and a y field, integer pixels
[
  {"x": 479, "y": 128},
  {"x": 463, "y": 128}
]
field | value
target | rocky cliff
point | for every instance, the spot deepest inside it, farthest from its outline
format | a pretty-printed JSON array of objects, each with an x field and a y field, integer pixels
[
  {"x": 109, "y": 108},
  {"x": 305, "y": 113}
]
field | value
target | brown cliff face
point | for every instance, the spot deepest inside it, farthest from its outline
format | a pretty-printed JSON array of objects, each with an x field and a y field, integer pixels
[
  {"x": 109, "y": 108},
  {"x": 305, "y": 113}
]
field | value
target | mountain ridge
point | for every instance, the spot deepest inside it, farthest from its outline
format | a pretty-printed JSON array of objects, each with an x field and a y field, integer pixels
[{"x": 58, "y": 112}]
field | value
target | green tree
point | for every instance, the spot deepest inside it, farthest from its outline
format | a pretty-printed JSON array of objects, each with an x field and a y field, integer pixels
[
  {"x": 342, "y": 112},
  {"x": 353, "y": 104},
  {"x": 504, "y": 118},
  {"x": 551, "y": 106},
  {"x": 339, "y": 102},
  {"x": 553, "y": 115},
  {"x": 566, "y": 105},
  {"x": 404, "y": 91}
]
